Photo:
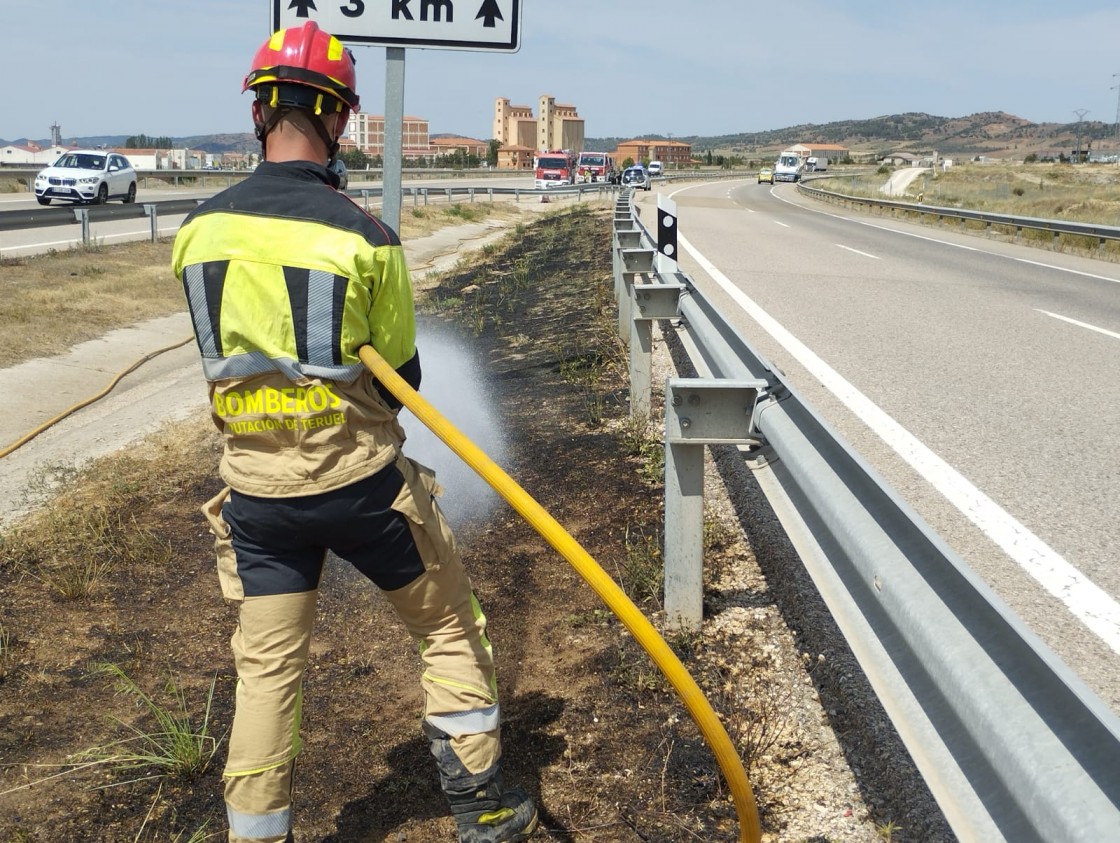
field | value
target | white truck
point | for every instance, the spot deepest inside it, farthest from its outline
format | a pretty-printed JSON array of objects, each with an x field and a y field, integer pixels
[
  {"x": 816, "y": 164},
  {"x": 789, "y": 167}
]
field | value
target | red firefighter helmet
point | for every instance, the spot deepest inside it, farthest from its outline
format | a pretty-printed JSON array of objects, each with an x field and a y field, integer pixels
[{"x": 295, "y": 63}]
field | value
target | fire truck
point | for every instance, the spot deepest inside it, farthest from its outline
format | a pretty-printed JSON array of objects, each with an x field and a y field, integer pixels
[
  {"x": 555, "y": 168},
  {"x": 596, "y": 167}
]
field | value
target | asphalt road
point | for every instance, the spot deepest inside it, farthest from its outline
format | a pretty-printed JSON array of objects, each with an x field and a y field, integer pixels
[{"x": 980, "y": 379}]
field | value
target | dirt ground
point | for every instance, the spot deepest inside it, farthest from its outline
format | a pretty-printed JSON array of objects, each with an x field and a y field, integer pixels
[{"x": 590, "y": 727}]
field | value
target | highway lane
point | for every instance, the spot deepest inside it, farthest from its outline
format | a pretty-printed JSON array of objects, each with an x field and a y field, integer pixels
[{"x": 1003, "y": 361}]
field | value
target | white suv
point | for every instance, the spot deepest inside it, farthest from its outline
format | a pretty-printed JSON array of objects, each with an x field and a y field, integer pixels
[{"x": 88, "y": 176}]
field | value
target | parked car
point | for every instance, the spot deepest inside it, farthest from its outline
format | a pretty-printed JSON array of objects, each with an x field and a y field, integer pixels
[
  {"x": 636, "y": 177},
  {"x": 766, "y": 174},
  {"x": 87, "y": 176}
]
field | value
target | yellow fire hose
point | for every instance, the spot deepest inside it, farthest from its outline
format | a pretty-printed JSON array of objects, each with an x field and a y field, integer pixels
[{"x": 609, "y": 591}]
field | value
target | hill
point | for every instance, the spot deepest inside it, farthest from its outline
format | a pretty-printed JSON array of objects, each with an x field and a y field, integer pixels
[
  {"x": 231, "y": 142},
  {"x": 993, "y": 133}
]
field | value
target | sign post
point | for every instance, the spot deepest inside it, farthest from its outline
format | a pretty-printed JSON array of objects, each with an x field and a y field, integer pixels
[
  {"x": 472, "y": 25},
  {"x": 392, "y": 156}
]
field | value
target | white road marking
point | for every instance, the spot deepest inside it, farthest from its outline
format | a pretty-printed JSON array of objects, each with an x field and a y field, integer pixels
[
  {"x": 75, "y": 243},
  {"x": 1086, "y": 600},
  {"x": 1071, "y": 271},
  {"x": 858, "y": 252},
  {"x": 1104, "y": 331},
  {"x": 782, "y": 224},
  {"x": 954, "y": 245}
]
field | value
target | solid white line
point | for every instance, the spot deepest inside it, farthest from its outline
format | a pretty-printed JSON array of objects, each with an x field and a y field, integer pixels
[
  {"x": 1071, "y": 271},
  {"x": 858, "y": 252},
  {"x": 1104, "y": 331},
  {"x": 782, "y": 224},
  {"x": 1087, "y": 601}
]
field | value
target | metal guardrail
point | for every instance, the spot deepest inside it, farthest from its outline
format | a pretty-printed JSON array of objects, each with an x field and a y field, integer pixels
[
  {"x": 1102, "y": 233},
  {"x": 1011, "y": 743},
  {"x": 26, "y": 175},
  {"x": 84, "y": 215}
]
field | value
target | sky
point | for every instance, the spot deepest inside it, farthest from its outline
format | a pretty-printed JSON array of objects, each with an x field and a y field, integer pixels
[{"x": 669, "y": 68}]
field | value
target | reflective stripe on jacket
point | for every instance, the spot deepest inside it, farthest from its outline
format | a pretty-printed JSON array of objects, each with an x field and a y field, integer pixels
[{"x": 286, "y": 279}]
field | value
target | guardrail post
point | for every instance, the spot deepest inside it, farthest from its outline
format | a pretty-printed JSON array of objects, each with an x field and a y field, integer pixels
[
  {"x": 490, "y": 195},
  {"x": 150, "y": 210},
  {"x": 82, "y": 216},
  {"x": 698, "y": 412},
  {"x": 650, "y": 302},
  {"x": 447, "y": 190},
  {"x": 470, "y": 192},
  {"x": 634, "y": 262},
  {"x": 424, "y": 190},
  {"x": 622, "y": 240}
]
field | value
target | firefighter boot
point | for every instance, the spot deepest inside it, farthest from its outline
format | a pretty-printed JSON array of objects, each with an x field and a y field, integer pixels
[{"x": 484, "y": 810}]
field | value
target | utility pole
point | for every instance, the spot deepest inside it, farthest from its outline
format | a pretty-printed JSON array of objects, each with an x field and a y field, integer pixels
[
  {"x": 1080, "y": 112},
  {"x": 1117, "y": 89}
]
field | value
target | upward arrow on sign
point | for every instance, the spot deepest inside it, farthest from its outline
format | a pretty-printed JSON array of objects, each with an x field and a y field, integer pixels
[
  {"x": 302, "y": 7},
  {"x": 490, "y": 11}
]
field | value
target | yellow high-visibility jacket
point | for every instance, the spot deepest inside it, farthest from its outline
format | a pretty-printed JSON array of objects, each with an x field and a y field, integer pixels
[{"x": 286, "y": 279}]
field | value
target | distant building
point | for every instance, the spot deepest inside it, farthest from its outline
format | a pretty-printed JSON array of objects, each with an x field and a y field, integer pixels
[
  {"x": 367, "y": 131},
  {"x": 516, "y": 157},
  {"x": 30, "y": 153},
  {"x": 514, "y": 125},
  {"x": 556, "y": 126},
  {"x": 142, "y": 159},
  {"x": 901, "y": 159},
  {"x": 670, "y": 153},
  {"x": 468, "y": 146},
  {"x": 834, "y": 152}
]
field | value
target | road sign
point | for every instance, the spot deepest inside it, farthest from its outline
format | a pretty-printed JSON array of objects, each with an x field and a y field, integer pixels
[
  {"x": 666, "y": 233},
  {"x": 485, "y": 25}
]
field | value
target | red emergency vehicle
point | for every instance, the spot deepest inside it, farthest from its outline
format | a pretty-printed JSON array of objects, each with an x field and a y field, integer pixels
[
  {"x": 555, "y": 168},
  {"x": 596, "y": 167}
]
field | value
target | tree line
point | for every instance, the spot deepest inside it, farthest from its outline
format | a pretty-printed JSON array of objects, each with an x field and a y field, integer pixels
[{"x": 145, "y": 142}]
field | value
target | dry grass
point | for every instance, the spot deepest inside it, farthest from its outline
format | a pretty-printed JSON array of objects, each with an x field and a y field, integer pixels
[
  {"x": 107, "y": 288},
  {"x": 1085, "y": 193},
  {"x": 422, "y": 220},
  {"x": 54, "y": 301},
  {"x": 73, "y": 542}
]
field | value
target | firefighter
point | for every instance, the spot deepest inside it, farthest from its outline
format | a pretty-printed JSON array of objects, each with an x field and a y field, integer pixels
[{"x": 286, "y": 279}]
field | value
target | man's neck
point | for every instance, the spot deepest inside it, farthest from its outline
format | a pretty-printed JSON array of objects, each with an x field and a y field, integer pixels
[{"x": 289, "y": 143}]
